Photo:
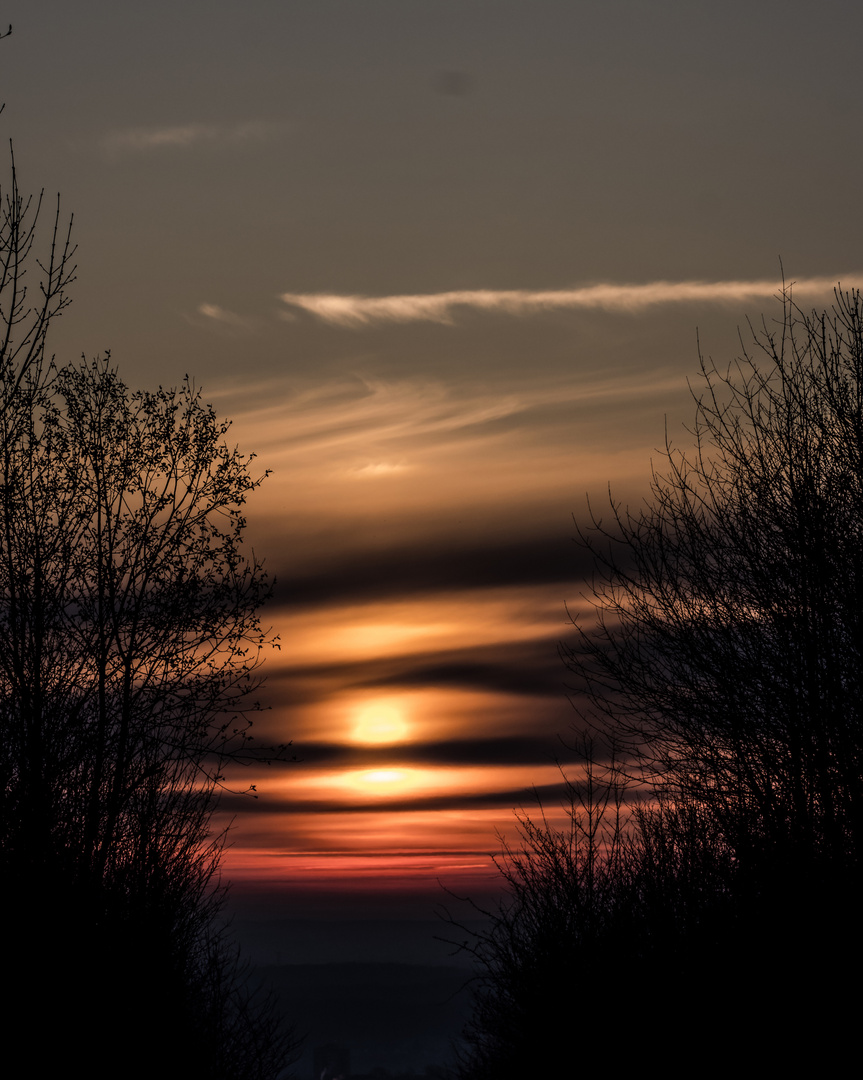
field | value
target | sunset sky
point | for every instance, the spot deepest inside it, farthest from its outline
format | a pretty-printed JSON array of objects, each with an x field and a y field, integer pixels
[{"x": 446, "y": 264}]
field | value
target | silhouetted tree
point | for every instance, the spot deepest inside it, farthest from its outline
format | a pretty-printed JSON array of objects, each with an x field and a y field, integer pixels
[
  {"x": 129, "y": 636},
  {"x": 129, "y": 647},
  {"x": 727, "y": 649},
  {"x": 724, "y": 660}
]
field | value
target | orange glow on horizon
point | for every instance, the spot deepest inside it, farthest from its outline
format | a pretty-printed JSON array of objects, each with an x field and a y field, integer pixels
[{"x": 402, "y": 872}]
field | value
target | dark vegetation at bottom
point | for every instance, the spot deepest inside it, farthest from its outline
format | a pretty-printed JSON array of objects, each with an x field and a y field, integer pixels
[
  {"x": 124, "y": 983},
  {"x": 611, "y": 951}
]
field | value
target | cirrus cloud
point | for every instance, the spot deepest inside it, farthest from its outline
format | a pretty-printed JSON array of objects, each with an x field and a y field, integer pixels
[
  {"x": 354, "y": 310},
  {"x": 181, "y": 136}
]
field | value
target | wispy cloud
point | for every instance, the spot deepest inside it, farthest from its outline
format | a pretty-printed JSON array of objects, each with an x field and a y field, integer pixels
[
  {"x": 219, "y": 318},
  {"x": 362, "y": 415},
  {"x": 143, "y": 139},
  {"x": 379, "y": 458},
  {"x": 356, "y": 310}
]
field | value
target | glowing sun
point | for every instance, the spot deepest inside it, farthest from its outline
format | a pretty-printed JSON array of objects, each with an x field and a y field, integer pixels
[{"x": 379, "y": 724}]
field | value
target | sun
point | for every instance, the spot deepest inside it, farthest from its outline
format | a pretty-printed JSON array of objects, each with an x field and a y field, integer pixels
[{"x": 379, "y": 724}]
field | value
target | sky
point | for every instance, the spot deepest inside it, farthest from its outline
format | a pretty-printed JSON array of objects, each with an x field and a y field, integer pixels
[{"x": 447, "y": 265}]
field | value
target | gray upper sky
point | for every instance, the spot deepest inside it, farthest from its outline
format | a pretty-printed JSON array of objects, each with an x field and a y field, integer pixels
[{"x": 223, "y": 154}]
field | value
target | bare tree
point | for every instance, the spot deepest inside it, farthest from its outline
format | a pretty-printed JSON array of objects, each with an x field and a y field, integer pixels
[
  {"x": 727, "y": 649},
  {"x": 130, "y": 633},
  {"x": 724, "y": 659},
  {"x": 129, "y": 647},
  {"x": 129, "y": 650}
]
